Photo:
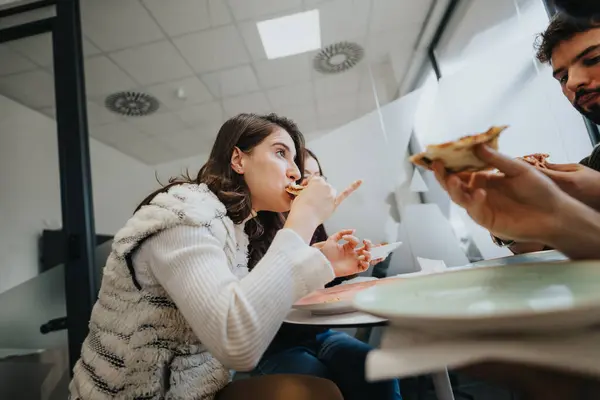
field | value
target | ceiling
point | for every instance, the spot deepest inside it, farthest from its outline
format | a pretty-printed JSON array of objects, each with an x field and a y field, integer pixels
[{"x": 211, "y": 49}]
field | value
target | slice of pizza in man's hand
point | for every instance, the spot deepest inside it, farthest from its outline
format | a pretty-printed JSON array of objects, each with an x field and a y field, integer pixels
[
  {"x": 458, "y": 155},
  {"x": 538, "y": 160}
]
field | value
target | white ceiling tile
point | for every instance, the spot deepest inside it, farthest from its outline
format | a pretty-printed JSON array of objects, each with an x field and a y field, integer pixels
[
  {"x": 248, "y": 103},
  {"x": 118, "y": 24},
  {"x": 193, "y": 142},
  {"x": 112, "y": 133},
  {"x": 304, "y": 116},
  {"x": 180, "y": 17},
  {"x": 89, "y": 49},
  {"x": 343, "y": 20},
  {"x": 152, "y": 63},
  {"x": 381, "y": 45},
  {"x": 153, "y": 152},
  {"x": 39, "y": 48},
  {"x": 96, "y": 113},
  {"x": 245, "y": 9},
  {"x": 314, "y": 3},
  {"x": 219, "y": 14},
  {"x": 213, "y": 49},
  {"x": 307, "y": 127},
  {"x": 49, "y": 112},
  {"x": 314, "y": 134},
  {"x": 329, "y": 122},
  {"x": 341, "y": 84},
  {"x": 293, "y": 95},
  {"x": 284, "y": 71},
  {"x": 391, "y": 14},
  {"x": 103, "y": 77},
  {"x": 99, "y": 115},
  {"x": 158, "y": 125},
  {"x": 202, "y": 114},
  {"x": 231, "y": 82},
  {"x": 385, "y": 82},
  {"x": 251, "y": 37},
  {"x": 366, "y": 103},
  {"x": 34, "y": 89},
  {"x": 337, "y": 105},
  {"x": 194, "y": 92},
  {"x": 129, "y": 140},
  {"x": 13, "y": 62}
]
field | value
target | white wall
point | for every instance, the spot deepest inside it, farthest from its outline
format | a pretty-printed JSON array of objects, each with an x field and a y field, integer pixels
[
  {"x": 175, "y": 168},
  {"x": 373, "y": 148},
  {"x": 30, "y": 192}
]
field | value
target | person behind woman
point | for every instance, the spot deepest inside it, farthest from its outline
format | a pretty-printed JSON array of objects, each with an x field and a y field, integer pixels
[
  {"x": 177, "y": 308},
  {"x": 323, "y": 352}
]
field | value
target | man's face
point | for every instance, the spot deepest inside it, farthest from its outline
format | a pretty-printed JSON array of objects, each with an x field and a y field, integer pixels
[{"x": 576, "y": 65}]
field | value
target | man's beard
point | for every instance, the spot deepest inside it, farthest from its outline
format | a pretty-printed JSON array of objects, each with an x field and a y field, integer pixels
[{"x": 593, "y": 113}]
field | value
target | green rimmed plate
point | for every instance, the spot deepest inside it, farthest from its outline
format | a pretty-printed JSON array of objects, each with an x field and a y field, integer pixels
[{"x": 535, "y": 297}]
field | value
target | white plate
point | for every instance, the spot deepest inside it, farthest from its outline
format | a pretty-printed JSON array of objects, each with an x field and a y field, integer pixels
[
  {"x": 538, "y": 256},
  {"x": 536, "y": 297},
  {"x": 301, "y": 317},
  {"x": 333, "y": 300},
  {"x": 383, "y": 251}
]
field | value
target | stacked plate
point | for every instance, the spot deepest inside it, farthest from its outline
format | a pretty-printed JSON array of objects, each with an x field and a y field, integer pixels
[{"x": 533, "y": 297}]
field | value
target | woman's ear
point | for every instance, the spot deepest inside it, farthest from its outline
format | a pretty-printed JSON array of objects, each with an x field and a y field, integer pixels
[{"x": 237, "y": 161}]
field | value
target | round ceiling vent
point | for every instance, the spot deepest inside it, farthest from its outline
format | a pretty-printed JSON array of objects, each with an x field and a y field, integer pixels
[
  {"x": 131, "y": 104},
  {"x": 338, "y": 57}
]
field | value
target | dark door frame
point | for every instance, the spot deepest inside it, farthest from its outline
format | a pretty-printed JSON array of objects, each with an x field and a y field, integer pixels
[{"x": 74, "y": 156}]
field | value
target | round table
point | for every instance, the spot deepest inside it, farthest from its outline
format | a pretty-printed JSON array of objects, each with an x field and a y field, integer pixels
[
  {"x": 441, "y": 380},
  {"x": 346, "y": 320}
]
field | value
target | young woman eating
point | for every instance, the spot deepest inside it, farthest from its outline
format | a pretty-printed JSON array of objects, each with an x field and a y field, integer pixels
[
  {"x": 178, "y": 308},
  {"x": 323, "y": 352}
]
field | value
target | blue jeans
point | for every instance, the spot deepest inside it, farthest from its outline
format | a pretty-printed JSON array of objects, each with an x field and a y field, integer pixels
[{"x": 335, "y": 356}]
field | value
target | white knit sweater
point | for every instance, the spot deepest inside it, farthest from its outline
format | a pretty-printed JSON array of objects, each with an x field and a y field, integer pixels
[{"x": 186, "y": 310}]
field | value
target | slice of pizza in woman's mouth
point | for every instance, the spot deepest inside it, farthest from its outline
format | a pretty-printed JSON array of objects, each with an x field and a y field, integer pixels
[{"x": 294, "y": 189}]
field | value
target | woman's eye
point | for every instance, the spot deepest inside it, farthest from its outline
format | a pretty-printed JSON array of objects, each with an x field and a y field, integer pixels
[{"x": 281, "y": 153}]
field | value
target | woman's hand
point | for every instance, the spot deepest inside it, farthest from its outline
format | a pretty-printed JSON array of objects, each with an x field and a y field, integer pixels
[
  {"x": 345, "y": 258},
  {"x": 314, "y": 205}
]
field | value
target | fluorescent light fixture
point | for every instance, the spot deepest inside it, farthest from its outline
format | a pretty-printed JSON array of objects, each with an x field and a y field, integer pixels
[{"x": 292, "y": 34}]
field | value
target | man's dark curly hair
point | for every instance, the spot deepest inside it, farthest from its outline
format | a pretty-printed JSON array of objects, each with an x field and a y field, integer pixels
[{"x": 562, "y": 27}]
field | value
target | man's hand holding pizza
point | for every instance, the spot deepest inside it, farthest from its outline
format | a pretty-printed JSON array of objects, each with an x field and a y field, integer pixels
[
  {"x": 578, "y": 181},
  {"x": 521, "y": 203}
]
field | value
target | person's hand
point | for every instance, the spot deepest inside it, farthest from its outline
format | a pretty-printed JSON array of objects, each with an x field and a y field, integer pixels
[
  {"x": 314, "y": 205},
  {"x": 345, "y": 258},
  {"x": 516, "y": 202},
  {"x": 578, "y": 181},
  {"x": 320, "y": 199}
]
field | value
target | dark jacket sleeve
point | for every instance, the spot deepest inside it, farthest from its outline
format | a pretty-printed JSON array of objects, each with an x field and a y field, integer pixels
[{"x": 593, "y": 160}]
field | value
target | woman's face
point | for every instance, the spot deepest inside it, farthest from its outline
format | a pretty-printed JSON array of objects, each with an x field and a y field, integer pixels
[
  {"x": 311, "y": 167},
  {"x": 268, "y": 169}
]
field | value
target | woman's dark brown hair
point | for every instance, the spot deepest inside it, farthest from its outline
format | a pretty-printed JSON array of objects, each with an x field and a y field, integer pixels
[
  {"x": 310, "y": 154},
  {"x": 244, "y": 131}
]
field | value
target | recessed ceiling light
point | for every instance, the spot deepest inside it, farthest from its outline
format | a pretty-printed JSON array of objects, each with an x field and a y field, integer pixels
[{"x": 292, "y": 34}]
